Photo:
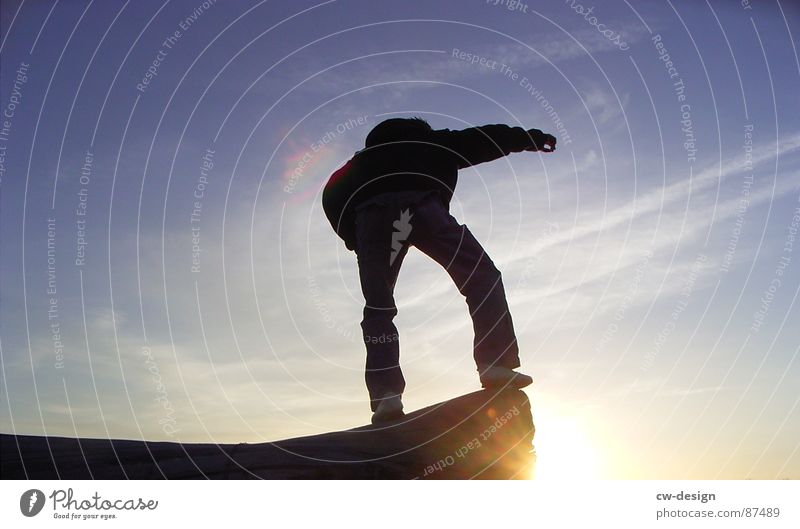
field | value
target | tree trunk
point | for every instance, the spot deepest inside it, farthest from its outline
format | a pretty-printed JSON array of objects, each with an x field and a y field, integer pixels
[{"x": 484, "y": 435}]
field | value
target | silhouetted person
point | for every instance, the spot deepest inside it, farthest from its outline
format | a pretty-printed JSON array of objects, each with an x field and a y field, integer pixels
[{"x": 395, "y": 193}]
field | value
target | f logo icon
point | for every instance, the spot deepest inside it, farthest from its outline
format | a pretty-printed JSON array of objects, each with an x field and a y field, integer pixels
[{"x": 31, "y": 502}]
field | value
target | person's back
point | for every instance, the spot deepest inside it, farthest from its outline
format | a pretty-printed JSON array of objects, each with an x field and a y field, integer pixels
[{"x": 395, "y": 193}]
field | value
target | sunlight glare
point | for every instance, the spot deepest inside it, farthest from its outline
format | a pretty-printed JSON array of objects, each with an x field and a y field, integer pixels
[{"x": 564, "y": 451}]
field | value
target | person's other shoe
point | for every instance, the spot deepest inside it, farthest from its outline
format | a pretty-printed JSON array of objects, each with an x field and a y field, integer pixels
[
  {"x": 389, "y": 408},
  {"x": 498, "y": 377}
]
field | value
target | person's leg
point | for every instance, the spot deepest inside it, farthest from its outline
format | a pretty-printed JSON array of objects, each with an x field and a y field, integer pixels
[
  {"x": 378, "y": 269},
  {"x": 437, "y": 234}
]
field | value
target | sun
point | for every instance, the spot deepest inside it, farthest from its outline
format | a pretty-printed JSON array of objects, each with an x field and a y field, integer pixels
[{"x": 564, "y": 450}]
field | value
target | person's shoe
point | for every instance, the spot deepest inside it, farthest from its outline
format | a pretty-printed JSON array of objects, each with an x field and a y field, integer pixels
[
  {"x": 389, "y": 409},
  {"x": 499, "y": 377}
]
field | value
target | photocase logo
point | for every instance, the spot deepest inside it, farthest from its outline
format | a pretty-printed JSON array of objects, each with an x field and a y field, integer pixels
[
  {"x": 31, "y": 502},
  {"x": 403, "y": 227}
]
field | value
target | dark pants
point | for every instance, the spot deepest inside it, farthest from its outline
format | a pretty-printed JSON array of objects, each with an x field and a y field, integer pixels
[{"x": 384, "y": 232}]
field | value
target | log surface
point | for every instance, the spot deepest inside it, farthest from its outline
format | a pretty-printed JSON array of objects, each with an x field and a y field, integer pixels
[{"x": 481, "y": 435}]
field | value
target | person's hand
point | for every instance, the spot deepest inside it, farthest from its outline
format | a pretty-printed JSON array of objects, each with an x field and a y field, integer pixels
[{"x": 541, "y": 141}]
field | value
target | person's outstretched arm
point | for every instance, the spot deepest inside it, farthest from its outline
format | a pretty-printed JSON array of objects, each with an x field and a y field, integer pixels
[{"x": 489, "y": 142}]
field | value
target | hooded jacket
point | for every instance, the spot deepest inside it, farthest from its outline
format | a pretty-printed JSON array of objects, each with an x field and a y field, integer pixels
[{"x": 429, "y": 162}]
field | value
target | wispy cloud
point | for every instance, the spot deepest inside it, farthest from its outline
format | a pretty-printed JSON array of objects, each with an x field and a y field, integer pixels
[{"x": 658, "y": 199}]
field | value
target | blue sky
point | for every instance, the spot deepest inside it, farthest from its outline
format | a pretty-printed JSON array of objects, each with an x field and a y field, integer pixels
[{"x": 651, "y": 263}]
